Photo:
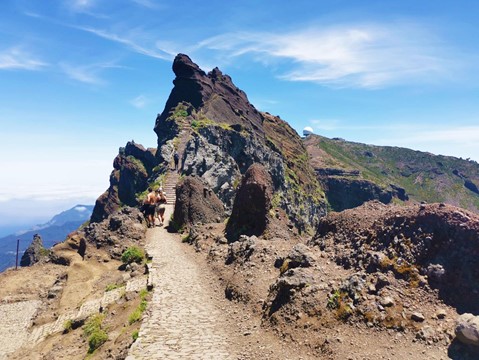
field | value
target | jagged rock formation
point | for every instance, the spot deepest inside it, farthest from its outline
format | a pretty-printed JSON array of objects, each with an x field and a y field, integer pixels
[
  {"x": 218, "y": 135},
  {"x": 34, "y": 253},
  {"x": 226, "y": 135},
  {"x": 132, "y": 168},
  {"x": 196, "y": 203}
]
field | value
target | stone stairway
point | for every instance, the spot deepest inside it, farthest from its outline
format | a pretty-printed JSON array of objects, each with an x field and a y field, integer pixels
[
  {"x": 169, "y": 186},
  {"x": 172, "y": 177}
]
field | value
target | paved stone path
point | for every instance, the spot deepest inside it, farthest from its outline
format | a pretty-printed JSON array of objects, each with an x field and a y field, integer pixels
[
  {"x": 181, "y": 322},
  {"x": 16, "y": 319}
]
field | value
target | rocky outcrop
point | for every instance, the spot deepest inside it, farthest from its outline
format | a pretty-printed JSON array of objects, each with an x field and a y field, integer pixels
[
  {"x": 114, "y": 234},
  {"x": 132, "y": 168},
  {"x": 471, "y": 186},
  {"x": 213, "y": 93},
  {"x": 347, "y": 193},
  {"x": 226, "y": 135},
  {"x": 196, "y": 203},
  {"x": 252, "y": 204},
  {"x": 434, "y": 244},
  {"x": 34, "y": 253}
]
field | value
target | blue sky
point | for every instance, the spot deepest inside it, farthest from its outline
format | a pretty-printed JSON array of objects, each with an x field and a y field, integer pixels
[{"x": 80, "y": 78}]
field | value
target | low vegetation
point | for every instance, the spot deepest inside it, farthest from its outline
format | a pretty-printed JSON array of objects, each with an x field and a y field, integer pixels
[
  {"x": 94, "y": 332},
  {"x": 138, "y": 312},
  {"x": 133, "y": 254}
]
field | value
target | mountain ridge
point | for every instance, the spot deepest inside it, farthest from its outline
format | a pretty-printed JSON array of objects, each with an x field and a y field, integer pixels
[{"x": 420, "y": 175}]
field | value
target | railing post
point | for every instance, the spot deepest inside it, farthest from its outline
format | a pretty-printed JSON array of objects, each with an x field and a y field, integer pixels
[{"x": 16, "y": 260}]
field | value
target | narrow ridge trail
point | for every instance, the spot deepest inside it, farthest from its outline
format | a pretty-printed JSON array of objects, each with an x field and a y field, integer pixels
[{"x": 183, "y": 320}]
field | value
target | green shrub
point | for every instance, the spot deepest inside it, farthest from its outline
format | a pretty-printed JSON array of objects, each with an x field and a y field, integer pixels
[
  {"x": 93, "y": 323},
  {"x": 134, "y": 335},
  {"x": 133, "y": 254},
  {"x": 96, "y": 339},
  {"x": 93, "y": 330}
]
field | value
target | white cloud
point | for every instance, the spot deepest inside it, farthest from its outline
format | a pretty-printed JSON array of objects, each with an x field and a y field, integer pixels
[
  {"x": 132, "y": 41},
  {"x": 80, "y": 209},
  {"x": 139, "y": 102},
  {"x": 325, "y": 124},
  {"x": 355, "y": 55},
  {"x": 17, "y": 58}
]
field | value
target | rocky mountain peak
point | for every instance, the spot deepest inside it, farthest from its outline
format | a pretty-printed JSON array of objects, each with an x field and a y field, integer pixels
[
  {"x": 184, "y": 68},
  {"x": 212, "y": 94}
]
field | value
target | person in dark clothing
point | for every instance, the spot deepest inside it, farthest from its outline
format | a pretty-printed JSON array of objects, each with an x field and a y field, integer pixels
[{"x": 176, "y": 157}]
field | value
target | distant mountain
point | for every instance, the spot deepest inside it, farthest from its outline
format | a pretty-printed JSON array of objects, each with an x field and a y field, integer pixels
[
  {"x": 51, "y": 232},
  {"x": 353, "y": 173}
]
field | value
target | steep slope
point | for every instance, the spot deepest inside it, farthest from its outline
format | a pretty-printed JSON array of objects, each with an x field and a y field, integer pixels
[{"x": 403, "y": 173}]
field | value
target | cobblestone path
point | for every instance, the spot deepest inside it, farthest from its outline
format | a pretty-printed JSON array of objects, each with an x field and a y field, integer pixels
[{"x": 182, "y": 321}]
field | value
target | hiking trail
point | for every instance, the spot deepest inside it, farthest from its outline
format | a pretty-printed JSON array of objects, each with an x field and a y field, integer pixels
[{"x": 182, "y": 321}]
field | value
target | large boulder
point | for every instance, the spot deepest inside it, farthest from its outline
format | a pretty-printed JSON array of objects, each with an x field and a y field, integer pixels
[
  {"x": 252, "y": 204},
  {"x": 196, "y": 203},
  {"x": 467, "y": 329}
]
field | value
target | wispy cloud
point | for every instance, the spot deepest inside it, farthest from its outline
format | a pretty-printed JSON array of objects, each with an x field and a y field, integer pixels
[
  {"x": 84, "y": 74},
  {"x": 134, "y": 45},
  {"x": 355, "y": 55},
  {"x": 17, "y": 58},
  {"x": 89, "y": 74},
  {"x": 139, "y": 102}
]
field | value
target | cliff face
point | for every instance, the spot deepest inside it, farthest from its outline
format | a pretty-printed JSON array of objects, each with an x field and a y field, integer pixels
[{"x": 219, "y": 135}]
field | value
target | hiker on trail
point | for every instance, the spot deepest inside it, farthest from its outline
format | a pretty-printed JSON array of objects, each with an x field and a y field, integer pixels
[
  {"x": 176, "y": 157},
  {"x": 161, "y": 201},
  {"x": 149, "y": 207}
]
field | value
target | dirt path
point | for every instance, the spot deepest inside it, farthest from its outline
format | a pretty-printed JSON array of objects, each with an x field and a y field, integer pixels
[{"x": 182, "y": 321}]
